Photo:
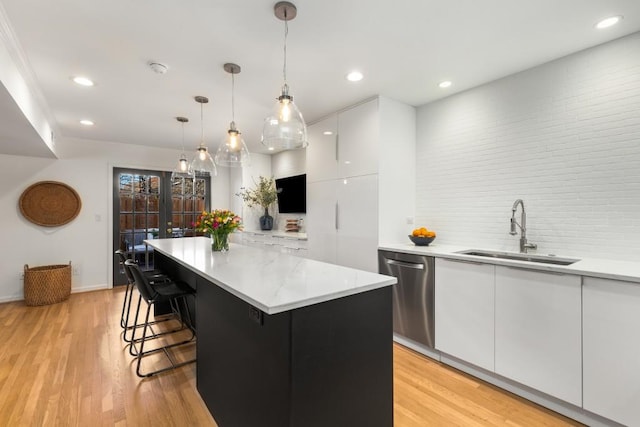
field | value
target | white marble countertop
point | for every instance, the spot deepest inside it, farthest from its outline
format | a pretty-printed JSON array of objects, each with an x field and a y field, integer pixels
[
  {"x": 592, "y": 267},
  {"x": 278, "y": 233},
  {"x": 271, "y": 281}
]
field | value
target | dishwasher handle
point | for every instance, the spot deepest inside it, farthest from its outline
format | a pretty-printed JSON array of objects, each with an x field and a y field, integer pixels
[{"x": 413, "y": 265}]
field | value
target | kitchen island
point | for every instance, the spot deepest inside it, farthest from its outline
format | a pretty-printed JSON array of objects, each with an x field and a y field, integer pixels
[{"x": 286, "y": 341}]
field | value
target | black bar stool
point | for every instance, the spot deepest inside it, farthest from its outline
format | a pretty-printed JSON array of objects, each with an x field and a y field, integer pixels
[
  {"x": 174, "y": 292},
  {"x": 156, "y": 277}
]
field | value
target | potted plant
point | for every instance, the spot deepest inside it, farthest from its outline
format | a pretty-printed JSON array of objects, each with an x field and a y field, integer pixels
[{"x": 264, "y": 194}]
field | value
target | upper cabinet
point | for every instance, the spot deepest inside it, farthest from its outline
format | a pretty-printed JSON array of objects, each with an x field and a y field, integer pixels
[
  {"x": 345, "y": 144},
  {"x": 322, "y": 152},
  {"x": 358, "y": 140}
]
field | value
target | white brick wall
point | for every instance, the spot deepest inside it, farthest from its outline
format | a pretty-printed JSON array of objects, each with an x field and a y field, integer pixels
[{"x": 564, "y": 137}]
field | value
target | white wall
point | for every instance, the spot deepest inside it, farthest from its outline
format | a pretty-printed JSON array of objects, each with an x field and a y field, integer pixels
[
  {"x": 86, "y": 241},
  {"x": 396, "y": 170},
  {"x": 564, "y": 137},
  {"x": 247, "y": 177}
]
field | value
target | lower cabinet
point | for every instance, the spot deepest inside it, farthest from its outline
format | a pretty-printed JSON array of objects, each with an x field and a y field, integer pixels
[
  {"x": 464, "y": 311},
  {"x": 538, "y": 331},
  {"x": 274, "y": 242},
  {"x": 611, "y": 328}
]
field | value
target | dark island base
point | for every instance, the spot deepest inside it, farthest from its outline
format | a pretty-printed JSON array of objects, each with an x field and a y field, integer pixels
[{"x": 328, "y": 364}]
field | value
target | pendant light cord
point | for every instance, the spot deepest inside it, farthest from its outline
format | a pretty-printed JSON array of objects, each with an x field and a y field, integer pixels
[
  {"x": 233, "y": 101},
  {"x": 286, "y": 33},
  {"x": 201, "y": 126},
  {"x": 182, "y": 123}
]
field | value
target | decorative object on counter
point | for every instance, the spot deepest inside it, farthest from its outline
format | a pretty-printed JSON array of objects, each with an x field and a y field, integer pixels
[
  {"x": 264, "y": 194},
  {"x": 50, "y": 203},
  {"x": 233, "y": 151},
  {"x": 422, "y": 237},
  {"x": 285, "y": 128},
  {"x": 48, "y": 284},
  {"x": 292, "y": 225},
  {"x": 202, "y": 163},
  {"x": 219, "y": 224}
]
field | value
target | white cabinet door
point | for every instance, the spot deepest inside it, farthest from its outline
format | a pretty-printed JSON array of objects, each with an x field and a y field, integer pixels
[
  {"x": 611, "y": 349},
  {"x": 464, "y": 311},
  {"x": 358, "y": 140},
  {"x": 357, "y": 222},
  {"x": 322, "y": 151},
  {"x": 538, "y": 331},
  {"x": 321, "y": 228}
]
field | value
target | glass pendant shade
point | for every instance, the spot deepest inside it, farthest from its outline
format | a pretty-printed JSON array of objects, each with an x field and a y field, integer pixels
[
  {"x": 202, "y": 163},
  {"x": 285, "y": 129},
  {"x": 183, "y": 169},
  {"x": 232, "y": 151}
]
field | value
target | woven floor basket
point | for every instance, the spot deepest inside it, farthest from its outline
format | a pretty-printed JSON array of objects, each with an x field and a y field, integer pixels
[{"x": 48, "y": 284}]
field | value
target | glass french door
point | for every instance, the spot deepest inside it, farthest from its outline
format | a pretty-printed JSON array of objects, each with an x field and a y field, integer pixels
[{"x": 149, "y": 205}]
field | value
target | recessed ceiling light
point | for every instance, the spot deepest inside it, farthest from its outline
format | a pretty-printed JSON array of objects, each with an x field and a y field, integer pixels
[
  {"x": 327, "y": 132},
  {"x": 271, "y": 148},
  {"x": 354, "y": 76},
  {"x": 86, "y": 122},
  {"x": 445, "y": 84},
  {"x": 83, "y": 81},
  {"x": 608, "y": 22}
]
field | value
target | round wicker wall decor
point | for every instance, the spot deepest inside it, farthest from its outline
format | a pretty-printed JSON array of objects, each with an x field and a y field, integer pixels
[{"x": 50, "y": 203}]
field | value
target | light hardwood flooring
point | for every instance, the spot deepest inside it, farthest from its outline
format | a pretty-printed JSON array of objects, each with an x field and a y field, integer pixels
[{"x": 66, "y": 365}]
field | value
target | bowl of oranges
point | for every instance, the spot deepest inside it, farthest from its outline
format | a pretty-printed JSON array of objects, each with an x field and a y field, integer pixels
[{"x": 422, "y": 237}]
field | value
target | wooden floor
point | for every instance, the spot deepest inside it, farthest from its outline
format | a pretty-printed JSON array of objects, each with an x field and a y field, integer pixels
[{"x": 66, "y": 365}]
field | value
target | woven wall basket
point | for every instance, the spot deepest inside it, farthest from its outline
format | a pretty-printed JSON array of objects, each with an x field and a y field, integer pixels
[
  {"x": 48, "y": 284},
  {"x": 50, "y": 203}
]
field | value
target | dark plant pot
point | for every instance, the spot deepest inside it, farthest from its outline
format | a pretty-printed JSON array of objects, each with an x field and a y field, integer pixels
[{"x": 266, "y": 220}]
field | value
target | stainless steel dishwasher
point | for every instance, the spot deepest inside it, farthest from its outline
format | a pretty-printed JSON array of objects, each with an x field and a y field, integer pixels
[{"x": 413, "y": 295}]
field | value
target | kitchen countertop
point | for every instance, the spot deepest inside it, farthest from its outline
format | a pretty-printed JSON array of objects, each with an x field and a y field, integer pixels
[
  {"x": 271, "y": 281},
  {"x": 592, "y": 267}
]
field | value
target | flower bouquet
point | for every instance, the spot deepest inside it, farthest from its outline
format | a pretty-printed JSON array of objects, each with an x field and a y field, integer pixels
[{"x": 219, "y": 224}]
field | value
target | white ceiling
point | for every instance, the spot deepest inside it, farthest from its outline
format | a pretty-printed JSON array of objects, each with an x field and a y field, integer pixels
[{"x": 403, "y": 47}]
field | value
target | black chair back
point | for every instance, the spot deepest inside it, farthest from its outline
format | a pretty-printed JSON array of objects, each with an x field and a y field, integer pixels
[
  {"x": 142, "y": 283},
  {"x": 123, "y": 259}
]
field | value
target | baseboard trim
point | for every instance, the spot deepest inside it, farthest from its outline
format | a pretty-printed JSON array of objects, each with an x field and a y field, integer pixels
[{"x": 73, "y": 291}]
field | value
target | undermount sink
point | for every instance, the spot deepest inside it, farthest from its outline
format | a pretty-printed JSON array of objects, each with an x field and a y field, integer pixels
[{"x": 544, "y": 259}]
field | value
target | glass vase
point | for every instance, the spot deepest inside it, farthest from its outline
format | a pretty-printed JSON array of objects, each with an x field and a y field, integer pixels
[{"x": 219, "y": 242}]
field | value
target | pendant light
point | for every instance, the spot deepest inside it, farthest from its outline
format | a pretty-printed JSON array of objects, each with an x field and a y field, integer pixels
[
  {"x": 232, "y": 151},
  {"x": 183, "y": 169},
  {"x": 202, "y": 163},
  {"x": 285, "y": 128}
]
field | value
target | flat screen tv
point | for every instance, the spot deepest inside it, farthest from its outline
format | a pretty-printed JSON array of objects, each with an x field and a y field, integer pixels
[{"x": 292, "y": 194}]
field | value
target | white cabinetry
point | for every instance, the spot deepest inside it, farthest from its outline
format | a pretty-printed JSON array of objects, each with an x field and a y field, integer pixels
[
  {"x": 464, "y": 311},
  {"x": 538, "y": 331},
  {"x": 611, "y": 346},
  {"x": 273, "y": 241},
  {"x": 322, "y": 152},
  {"x": 343, "y": 181}
]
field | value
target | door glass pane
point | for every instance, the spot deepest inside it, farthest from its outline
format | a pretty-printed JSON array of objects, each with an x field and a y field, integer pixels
[
  {"x": 126, "y": 222},
  {"x": 200, "y": 205},
  {"x": 177, "y": 185},
  {"x": 126, "y": 183},
  {"x": 153, "y": 221},
  {"x": 176, "y": 205},
  {"x": 140, "y": 204},
  {"x": 154, "y": 185},
  {"x": 188, "y": 186},
  {"x": 141, "y": 222},
  {"x": 188, "y": 204},
  {"x": 126, "y": 203},
  {"x": 200, "y": 189},
  {"x": 139, "y": 184},
  {"x": 153, "y": 203}
]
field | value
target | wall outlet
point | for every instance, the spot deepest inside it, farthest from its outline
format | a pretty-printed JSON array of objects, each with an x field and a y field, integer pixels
[
  {"x": 409, "y": 220},
  {"x": 22, "y": 275},
  {"x": 75, "y": 270}
]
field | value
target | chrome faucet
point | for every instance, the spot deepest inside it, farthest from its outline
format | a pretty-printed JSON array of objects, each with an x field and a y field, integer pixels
[{"x": 523, "y": 227}]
